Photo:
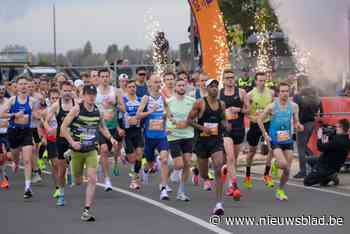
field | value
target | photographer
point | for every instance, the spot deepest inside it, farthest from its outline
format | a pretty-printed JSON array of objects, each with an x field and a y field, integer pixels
[{"x": 334, "y": 150}]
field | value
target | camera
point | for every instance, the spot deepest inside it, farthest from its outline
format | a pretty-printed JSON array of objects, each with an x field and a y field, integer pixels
[{"x": 329, "y": 131}]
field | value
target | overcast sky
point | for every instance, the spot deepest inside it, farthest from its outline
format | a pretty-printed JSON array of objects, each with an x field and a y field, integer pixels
[{"x": 29, "y": 23}]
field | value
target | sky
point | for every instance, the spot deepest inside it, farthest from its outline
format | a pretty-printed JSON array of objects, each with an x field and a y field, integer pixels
[{"x": 103, "y": 22}]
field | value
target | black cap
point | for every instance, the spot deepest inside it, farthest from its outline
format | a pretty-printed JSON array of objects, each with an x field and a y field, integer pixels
[{"x": 90, "y": 89}]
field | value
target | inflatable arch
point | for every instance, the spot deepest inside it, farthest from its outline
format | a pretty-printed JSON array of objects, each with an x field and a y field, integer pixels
[{"x": 212, "y": 33}]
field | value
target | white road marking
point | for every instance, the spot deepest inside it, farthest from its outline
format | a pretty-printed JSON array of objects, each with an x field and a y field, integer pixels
[{"x": 170, "y": 209}]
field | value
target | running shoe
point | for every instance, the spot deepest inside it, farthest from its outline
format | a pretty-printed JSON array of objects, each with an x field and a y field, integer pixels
[
  {"x": 60, "y": 200},
  {"x": 108, "y": 188},
  {"x": 167, "y": 187},
  {"x": 211, "y": 174},
  {"x": 218, "y": 209},
  {"x": 224, "y": 173},
  {"x": 36, "y": 179},
  {"x": 236, "y": 194},
  {"x": 229, "y": 191},
  {"x": 41, "y": 164},
  {"x": 134, "y": 185},
  {"x": 268, "y": 181},
  {"x": 164, "y": 195},
  {"x": 182, "y": 197},
  {"x": 207, "y": 185},
  {"x": 28, "y": 194},
  {"x": 4, "y": 184},
  {"x": 274, "y": 169},
  {"x": 87, "y": 216},
  {"x": 56, "y": 193},
  {"x": 281, "y": 195},
  {"x": 248, "y": 182}
]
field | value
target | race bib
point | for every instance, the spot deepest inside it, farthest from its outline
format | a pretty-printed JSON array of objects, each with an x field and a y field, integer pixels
[
  {"x": 132, "y": 121},
  {"x": 88, "y": 136},
  {"x": 156, "y": 124},
  {"x": 181, "y": 125},
  {"x": 214, "y": 129},
  {"x": 282, "y": 136},
  {"x": 230, "y": 115},
  {"x": 23, "y": 119}
]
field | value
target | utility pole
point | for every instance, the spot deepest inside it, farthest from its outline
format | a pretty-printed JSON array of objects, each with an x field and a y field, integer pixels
[{"x": 54, "y": 35}]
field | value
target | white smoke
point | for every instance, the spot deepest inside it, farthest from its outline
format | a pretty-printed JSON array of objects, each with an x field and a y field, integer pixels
[{"x": 320, "y": 27}]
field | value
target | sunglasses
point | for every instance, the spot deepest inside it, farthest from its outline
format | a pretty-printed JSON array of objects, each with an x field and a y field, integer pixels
[{"x": 141, "y": 74}]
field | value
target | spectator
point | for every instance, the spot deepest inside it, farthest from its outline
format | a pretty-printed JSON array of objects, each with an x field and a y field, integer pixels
[
  {"x": 141, "y": 86},
  {"x": 334, "y": 151},
  {"x": 309, "y": 106}
]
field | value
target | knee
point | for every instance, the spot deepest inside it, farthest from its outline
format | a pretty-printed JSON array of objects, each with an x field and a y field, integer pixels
[
  {"x": 92, "y": 179},
  {"x": 104, "y": 151},
  {"x": 78, "y": 180}
]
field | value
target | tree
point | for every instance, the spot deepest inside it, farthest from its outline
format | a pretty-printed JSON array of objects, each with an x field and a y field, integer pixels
[
  {"x": 87, "y": 51},
  {"x": 112, "y": 53}
]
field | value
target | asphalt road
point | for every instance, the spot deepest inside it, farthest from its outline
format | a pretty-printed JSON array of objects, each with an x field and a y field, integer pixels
[{"x": 123, "y": 211}]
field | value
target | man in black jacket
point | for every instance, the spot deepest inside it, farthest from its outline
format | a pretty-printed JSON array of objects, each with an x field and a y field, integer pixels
[{"x": 333, "y": 155}]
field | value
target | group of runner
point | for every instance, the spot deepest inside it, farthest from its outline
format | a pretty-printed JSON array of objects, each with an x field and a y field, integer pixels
[{"x": 81, "y": 124}]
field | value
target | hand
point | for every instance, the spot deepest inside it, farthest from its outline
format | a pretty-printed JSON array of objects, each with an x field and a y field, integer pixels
[
  {"x": 319, "y": 133},
  {"x": 207, "y": 131},
  {"x": 76, "y": 145},
  {"x": 300, "y": 127},
  {"x": 121, "y": 132},
  {"x": 235, "y": 109},
  {"x": 114, "y": 141},
  {"x": 168, "y": 131}
]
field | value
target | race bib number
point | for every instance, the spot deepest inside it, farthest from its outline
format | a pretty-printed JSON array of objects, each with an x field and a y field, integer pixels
[
  {"x": 88, "y": 136},
  {"x": 230, "y": 115},
  {"x": 132, "y": 121},
  {"x": 156, "y": 124},
  {"x": 181, "y": 125},
  {"x": 23, "y": 119},
  {"x": 214, "y": 129},
  {"x": 282, "y": 136}
]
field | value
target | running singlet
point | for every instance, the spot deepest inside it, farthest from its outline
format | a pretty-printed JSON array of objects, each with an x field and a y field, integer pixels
[
  {"x": 235, "y": 119},
  {"x": 84, "y": 128},
  {"x": 155, "y": 123},
  {"x": 106, "y": 105},
  {"x": 180, "y": 111},
  {"x": 60, "y": 116},
  {"x": 25, "y": 108},
  {"x": 259, "y": 102},
  {"x": 129, "y": 117},
  {"x": 212, "y": 120},
  {"x": 281, "y": 124}
]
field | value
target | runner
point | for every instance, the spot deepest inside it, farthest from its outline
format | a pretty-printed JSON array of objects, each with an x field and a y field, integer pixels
[
  {"x": 200, "y": 92},
  {"x": 85, "y": 120},
  {"x": 284, "y": 114},
  {"x": 181, "y": 135},
  {"x": 4, "y": 144},
  {"x": 169, "y": 85},
  {"x": 20, "y": 110},
  {"x": 233, "y": 97},
  {"x": 50, "y": 135},
  {"x": 141, "y": 85},
  {"x": 153, "y": 109},
  {"x": 39, "y": 104},
  {"x": 106, "y": 101},
  {"x": 134, "y": 142},
  {"x": 209, "y": 112},
  {"x": 59, "y": 111},
  {"x": 256, "y": 101}
]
